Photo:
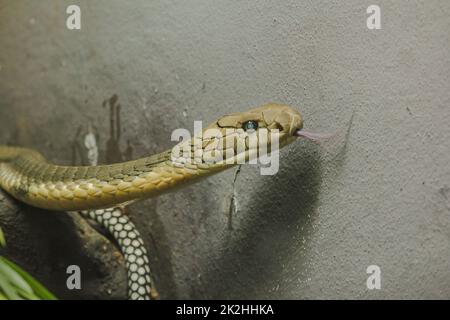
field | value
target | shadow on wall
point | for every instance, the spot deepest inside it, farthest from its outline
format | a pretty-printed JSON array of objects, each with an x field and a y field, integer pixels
[{"x": 278, "y": 216}]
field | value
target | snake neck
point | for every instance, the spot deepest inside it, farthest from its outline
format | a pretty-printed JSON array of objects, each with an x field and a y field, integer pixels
[{"x": 26, "y": 175}]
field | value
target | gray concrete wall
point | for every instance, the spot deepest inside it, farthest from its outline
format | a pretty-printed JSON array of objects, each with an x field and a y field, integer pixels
[{"x": 382, "y": 197}]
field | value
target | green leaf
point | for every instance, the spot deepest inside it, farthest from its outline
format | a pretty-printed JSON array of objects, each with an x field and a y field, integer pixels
[
  {"x": 2, "y": 239},
  {"x": 13, "y": 277},
  {"x": 38, "y": 290},
  {"x": 28, "y": 296},
  {"x": 8, "y": 290}
]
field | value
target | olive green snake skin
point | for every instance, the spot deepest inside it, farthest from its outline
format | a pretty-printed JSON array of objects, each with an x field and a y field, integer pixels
[{"x": 29, "y": 177}]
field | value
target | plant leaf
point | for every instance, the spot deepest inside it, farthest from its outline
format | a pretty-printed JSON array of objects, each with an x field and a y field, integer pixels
[
  {"x": 7, "y": 290},
  {"x": 13, "y": 277},
  {"x": 2, "y": 239},
  {"x": 37, "y": 289}
]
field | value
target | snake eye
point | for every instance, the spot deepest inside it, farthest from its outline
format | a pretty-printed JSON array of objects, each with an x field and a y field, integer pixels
[{"x": 250, "y": 125}]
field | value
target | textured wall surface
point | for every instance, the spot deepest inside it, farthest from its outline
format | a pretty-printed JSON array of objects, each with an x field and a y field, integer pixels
[{"x": 135, "y": 72}]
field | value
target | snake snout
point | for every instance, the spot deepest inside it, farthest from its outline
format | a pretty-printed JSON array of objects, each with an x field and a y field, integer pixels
[
  {"x": 296, "y": 121},
  {"x": 296, "y": 124}
]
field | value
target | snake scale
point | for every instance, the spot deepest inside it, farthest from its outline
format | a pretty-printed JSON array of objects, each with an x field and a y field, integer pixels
[{"x": 99, "y": 192}]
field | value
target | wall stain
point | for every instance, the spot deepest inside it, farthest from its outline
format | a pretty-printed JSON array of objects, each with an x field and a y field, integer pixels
[
  {"x": 78, "y": 155},
  {"x": 21, "y": 134},
  {"x": 90, "y": 142},
  {"x": 113, "y": 153}
]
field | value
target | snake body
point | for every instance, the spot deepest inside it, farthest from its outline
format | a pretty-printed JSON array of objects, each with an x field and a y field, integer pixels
[
  {"x": 29, "y": 177},
  {"x": 140, "y": 282}
]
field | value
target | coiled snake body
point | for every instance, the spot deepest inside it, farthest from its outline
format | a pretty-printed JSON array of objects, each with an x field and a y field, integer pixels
[{"x": 98, "y": 192}]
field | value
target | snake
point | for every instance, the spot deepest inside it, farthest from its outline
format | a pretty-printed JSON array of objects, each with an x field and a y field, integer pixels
[{"x": 101, "y": 192}]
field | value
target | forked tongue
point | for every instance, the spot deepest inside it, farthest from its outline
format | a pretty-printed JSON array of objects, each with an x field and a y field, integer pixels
[{"x": 313, "y": 136}]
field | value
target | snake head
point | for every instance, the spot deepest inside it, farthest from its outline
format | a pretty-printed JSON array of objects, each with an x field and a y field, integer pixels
[
  {"x": 241, "y": 137},
  {"x": 286, "y": 120}
]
